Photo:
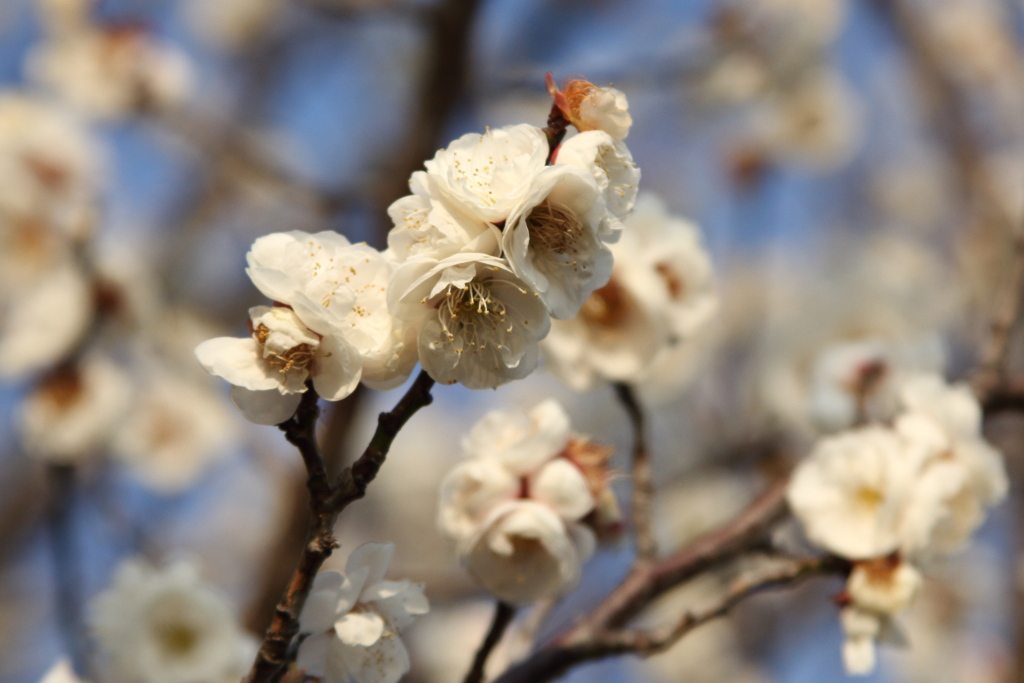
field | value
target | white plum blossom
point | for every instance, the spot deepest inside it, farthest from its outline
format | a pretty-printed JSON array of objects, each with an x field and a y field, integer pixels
[
  {"x": 552, "y": 239},
  {"x": 168, "y": 626},
  {"x": 611, "y": 164},
  {"x": 74, "y": 410},
  {"x": 661, "y": 293},
  {"x": 485, "y": 176},
  {"x": 355, "y": 620},
  {"x": 883, "y": 586},
  {"x": 41, "y": 325},
  {"x": 963, "y": 476},
  {"x": 478, "y": 323},
  {"x": 112, "y": 71},
  {"x": 589, "y": 107},
  {"x": 175, "y": 431},
  {"x": 330, "y": 325},
  {"x": 516, "y": 506},
  {"x": 850, "y": 493}
]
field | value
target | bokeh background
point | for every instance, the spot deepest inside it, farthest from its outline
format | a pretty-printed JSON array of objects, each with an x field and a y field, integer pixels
[{"x": 856, "y": 169}]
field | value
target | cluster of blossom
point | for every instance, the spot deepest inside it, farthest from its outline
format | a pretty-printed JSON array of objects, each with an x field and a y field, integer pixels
[
  {"x": 493, "y": 242},
  {"x": 524, "y": 508},
  {"x": 354, "y": 620},
  {"x": 167, "y": 626},
  {"x": 891, "y": 499}
]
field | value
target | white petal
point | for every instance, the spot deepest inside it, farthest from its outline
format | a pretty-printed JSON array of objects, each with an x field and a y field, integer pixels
[
  {"x": 359, "y": 628},
  {"x": 321, "y": 608},
  {"x": 338, "y": 369},
  {"x": 562, "y": 485},
  {"x": 385, "y": 662},
  {"x": 374, "y": 558},
  {"x": 313, "y": 653},
  {"x": 238, "y": 361},
  {"x": 265, "y": 407}
]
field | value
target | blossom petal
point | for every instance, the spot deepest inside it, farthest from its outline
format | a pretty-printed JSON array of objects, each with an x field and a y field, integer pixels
[
  {"x": 238, "y": 361},
  {"x": 359, "y": 628},
  {"x": 338, "y": 369},
  {"x": 320, "y": 611},
  {"x": 374, "y": 558},
  {"x": 561, "y": 485},
  {"x": 313, "y": 653},
  {"x": 265, "y": 407}
]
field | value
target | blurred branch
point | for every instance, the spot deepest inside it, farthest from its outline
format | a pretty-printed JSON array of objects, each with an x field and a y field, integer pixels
[
  {"x": 643, "y": 486},
  {"x": 66, "y": 569},
  {"x": 602, "y": 634},
  {"x": 503, "y": 615},
  {"x": 327, "y": 500}
]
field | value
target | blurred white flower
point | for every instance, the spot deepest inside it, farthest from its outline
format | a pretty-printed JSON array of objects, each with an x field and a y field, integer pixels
[
  {"x": 485, "y": 176},
  {"x": 62, "y": 17},
  {"x": 43, "y": 324},
  {"x": 167, "y": 626},
  {"x": 354, "y": 620},
  {"x": 964, "y": 474},
  {"x": 850, "y": 493},
  {"x": 232, "y": 24},
  {"x": 815, "y": 123},
  {"x": 589, "y": 107},
  {"x": 174, "y": 432},
  {"x": 611, "y": 164},
  {"x": 61, "y": 672},
  {"x": 552, "y": 239},
  {"x": 861, "y": 629},
  {"x": 112, "y": 71},
  {"x": 478, "y": 323},
  {"x": 794, "y": 27},
  {"x": 884, "y": 586},
  {"x": 74, "y": 410},
  {"x": 661, "y": 292}
]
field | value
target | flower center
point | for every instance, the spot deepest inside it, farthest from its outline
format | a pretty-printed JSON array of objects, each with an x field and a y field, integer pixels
[
  {"x": 674, "y": 283},
  {"x": 177, "y": 638},
  {"x": 553, "y": 228},
  {"x": 576, "y": 91},
  {"x": 473, "y": 314},
  {"x": 297, "y": 357},
  {"x": 869, "y": 498},
  {"x": 607, "y": 307}
]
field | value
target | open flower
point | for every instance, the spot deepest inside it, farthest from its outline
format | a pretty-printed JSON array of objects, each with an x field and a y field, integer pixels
[
  {"x": 354, "y": 620},
  {"x": 485, "y": 176},
  {"x": 611, "y": 164},
  {"x": 167, "y": 626},
  {"x": 478, "y": 323},
  {"x": 552, "y": 239},
  {"x": 850, "y": 493}
]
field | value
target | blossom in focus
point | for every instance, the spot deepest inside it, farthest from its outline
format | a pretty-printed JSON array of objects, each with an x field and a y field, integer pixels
[
  {"x": 589, "y": 107},
  {"x": 521, "y": 507},
  {"x": 354, "y": 620},
  {"x": 661, "y": 293},
  {"x": 330, "y": 325},
  {"x": 112, "y": 71},
  {"x": 485, "y": 176},
  {"x": 611, "y": 164},
  {"x": 552, "y": 239},
  {"x": 74, "y": 410},
  {"x": 167, "y": 626},
  {"x": 478, "y": 323}
]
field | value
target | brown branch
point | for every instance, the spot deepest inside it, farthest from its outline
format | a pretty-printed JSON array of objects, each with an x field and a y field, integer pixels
[
  {"x": 552, "y": 662},
  {"x": 66, "y": 563},
  {"x": 643, "y": 484},
  {"x": 503, "y": 615},
  {"x": 327, "y": 501}
]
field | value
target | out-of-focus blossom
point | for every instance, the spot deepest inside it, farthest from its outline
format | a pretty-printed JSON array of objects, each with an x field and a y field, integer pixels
[
  {"x": 42, "y": 325},
  {"x": 589, "y": 107},
  {"x": 661, "y": 292},
  {"x": 516, "y": 506},
  {"x": 850, "y": 493},
  {"x": 815, "y": 123},
  {"x": 168, "y": 626},
  {"x": 355, "y": 620},
  {"x": 62, "y": 17},
  {"x": 61, "y": 672},
  {"x": 478, "y": 323},
  {"x": 74, "y": 410},
  {"x": 794, "y": 27},
  {"x": 175, "y": 431},
  {"x": 112, "y": 71},
  {"x": 232, "y": 24},
  {"x": 883, "y": 586}
]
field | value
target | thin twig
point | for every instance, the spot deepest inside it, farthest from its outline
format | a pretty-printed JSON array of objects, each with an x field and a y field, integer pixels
[
  {"x": 554, "y": 661},
  {"x": 327, "y": 502},
  {"x": 503, "y": 615},
  {"x": 643, "y": 482},
  {"x": 68, "y": 603}
]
